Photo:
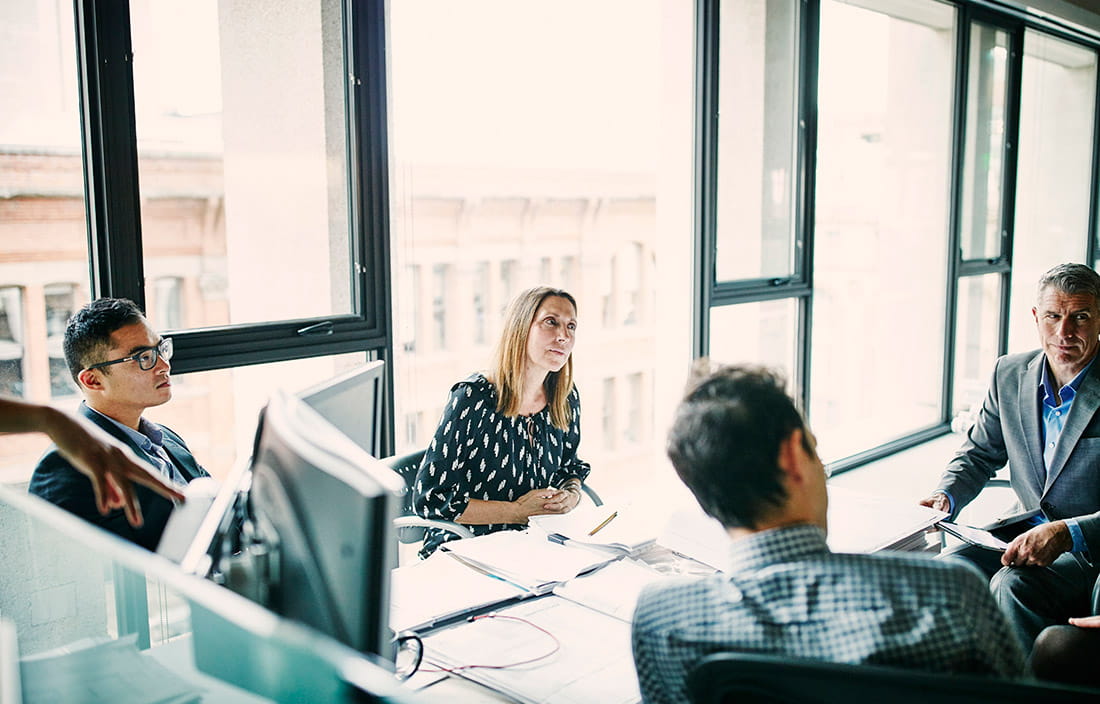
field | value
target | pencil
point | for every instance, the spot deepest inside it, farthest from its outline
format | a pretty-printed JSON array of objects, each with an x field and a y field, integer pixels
[{"x": 603, "y": 523}]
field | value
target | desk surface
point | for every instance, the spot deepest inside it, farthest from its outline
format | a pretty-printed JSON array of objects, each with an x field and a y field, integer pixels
[{"x": 457, "y": 689}]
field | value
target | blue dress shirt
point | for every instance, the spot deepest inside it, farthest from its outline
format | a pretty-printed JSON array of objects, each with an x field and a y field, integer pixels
[
  {"x": 150, "y": 438},
  {"x": 1054, "y": 420}
]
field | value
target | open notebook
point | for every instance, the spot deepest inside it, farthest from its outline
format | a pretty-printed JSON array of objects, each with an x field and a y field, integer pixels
[{"x": 526, "y": 559}]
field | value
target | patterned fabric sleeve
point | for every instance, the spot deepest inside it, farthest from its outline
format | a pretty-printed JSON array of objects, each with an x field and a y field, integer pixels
[
  {"x": 442, "y": 488},
  {"x": 646, "y": 649},
  {"x": 572, "y": 467}
]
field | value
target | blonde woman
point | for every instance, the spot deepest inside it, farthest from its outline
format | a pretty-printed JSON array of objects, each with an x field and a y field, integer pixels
[{"x": 506, "y": 445}]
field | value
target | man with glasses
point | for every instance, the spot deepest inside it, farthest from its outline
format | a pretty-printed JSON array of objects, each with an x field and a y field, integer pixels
[{"x": 120, "y": 365}]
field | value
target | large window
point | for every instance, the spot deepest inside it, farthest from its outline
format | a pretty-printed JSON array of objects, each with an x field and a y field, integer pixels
[
  {"x": 885, "y": 107},
  {"x": 519, "y": 162},
  {"x": 879, "y": 185},
  {"x": 242, "y": 143},
  {"x": 753, "y": 263},
  {"x": 757, "y": 140},
  {"x": 234, "y": 156}
]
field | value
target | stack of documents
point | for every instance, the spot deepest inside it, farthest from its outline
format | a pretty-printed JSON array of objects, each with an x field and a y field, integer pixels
[
  {"x": 608, "y": 528},
  {"x": 440, "y": 588},
  {"x": 589, "y": 657},
  {"x": 860, "y": 522},
  {"x": 526, "y": 560}
]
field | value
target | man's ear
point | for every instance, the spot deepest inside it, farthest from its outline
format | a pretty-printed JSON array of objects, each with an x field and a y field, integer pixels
[
  {"x": 90, "y": 379},
  {"x": 790, "y": 455}
]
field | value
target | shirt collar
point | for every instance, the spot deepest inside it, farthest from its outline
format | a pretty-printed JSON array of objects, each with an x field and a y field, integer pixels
[
  {"x": 776, "y": 545},
  {"x": 148, "y": 436},
  {"x": 1067, "y": 392}
]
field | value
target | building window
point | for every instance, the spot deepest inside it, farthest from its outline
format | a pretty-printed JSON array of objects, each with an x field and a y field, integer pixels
[
  {"x": 609, "y": 413},
  {"x": 509, "y": 272},
  {"x": 629, "y": 278},
  {"x": 408, "y": 308},
  {"x": 545, "y": 275},
  {"x": 633, "y": 429},
  {"x": 60, "y": 306},
  {"x": 481, "y": 302},
  {"x": 440, "y": 273},
  {"x": 412, "y": 429},
  {"x": 11, "y": 341},
  {"x": 168, "y": 303},
  {"x": 607, "y": 294},
  {"x": 568, "y": 268}
]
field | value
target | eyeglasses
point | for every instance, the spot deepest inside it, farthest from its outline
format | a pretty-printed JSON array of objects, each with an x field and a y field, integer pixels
[{"x": 146, "y": 357}]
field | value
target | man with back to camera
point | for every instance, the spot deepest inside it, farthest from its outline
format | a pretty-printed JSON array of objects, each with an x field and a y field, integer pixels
[
  {"x": 1040, "y": 416},
  {"x": 741, "y": 446},
  {"x": 121, "y": 368}
]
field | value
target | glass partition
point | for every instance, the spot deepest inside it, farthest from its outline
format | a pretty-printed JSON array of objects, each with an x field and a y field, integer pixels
[{"x": 99, "y": 619}]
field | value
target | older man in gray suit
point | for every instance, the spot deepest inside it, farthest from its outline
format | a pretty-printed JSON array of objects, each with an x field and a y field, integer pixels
[{"x": 1040, "y": 416}]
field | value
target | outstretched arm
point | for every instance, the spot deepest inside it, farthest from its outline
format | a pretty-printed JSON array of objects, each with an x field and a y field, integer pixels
[{"x": 111, "y": 466}]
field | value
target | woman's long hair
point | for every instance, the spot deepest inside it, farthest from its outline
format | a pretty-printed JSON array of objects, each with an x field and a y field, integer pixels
[{"x": 510, "y": 359}]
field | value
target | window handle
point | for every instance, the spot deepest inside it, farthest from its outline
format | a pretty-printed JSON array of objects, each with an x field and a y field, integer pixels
[{"x": 324, "y": 328}]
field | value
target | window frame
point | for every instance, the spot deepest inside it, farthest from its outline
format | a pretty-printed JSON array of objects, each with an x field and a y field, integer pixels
[
  {"x": 110, "y": 154},
  {"x": 710, "y": 293}
]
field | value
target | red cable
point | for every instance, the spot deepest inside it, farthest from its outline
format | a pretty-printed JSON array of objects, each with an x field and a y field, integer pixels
[{"x": 557, "y": 647}]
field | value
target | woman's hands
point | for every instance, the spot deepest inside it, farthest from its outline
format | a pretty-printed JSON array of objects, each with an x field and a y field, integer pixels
[
  {"x": 540, "y": 502},
  {"x": 536, "y": 502}
]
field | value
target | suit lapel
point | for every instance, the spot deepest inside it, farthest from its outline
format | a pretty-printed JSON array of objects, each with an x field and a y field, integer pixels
[
  {"x": 1084, "y": 407},
  {"x": 1027, "y": 406},
  {"x": 180, "y": 457}
]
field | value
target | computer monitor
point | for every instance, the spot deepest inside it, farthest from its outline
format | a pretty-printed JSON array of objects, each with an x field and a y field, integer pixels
[
  {"x": 353, "y": 403},
  {"x": 323, "y": 510}
]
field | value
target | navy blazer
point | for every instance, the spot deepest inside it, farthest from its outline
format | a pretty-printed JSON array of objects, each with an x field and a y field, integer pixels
[
  {"x": 1008, "y": 430},
  {"x": 58, "y": 482}
]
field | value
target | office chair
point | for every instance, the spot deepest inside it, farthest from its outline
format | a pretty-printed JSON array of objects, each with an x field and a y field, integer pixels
[
  {"x": 726, "y": 678},
  {"x": 410, "y": 527}
]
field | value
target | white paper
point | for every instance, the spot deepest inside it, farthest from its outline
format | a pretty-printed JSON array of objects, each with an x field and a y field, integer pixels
[
  {"x": 441, "y": 586},
  {"x": 860, "y": 522},
  {"x": 527, "y": 559},
  {"x": 593, "y": 664},
  {"x": 613, "y": 589}
]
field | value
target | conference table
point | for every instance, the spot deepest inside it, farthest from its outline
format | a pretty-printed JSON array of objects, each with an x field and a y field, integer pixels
[{"x": 565, "y": 649}]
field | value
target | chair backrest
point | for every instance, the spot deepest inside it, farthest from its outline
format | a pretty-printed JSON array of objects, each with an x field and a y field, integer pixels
[
  {"x": 407, "y": 466},
  {"x": 772, "y": 679}
]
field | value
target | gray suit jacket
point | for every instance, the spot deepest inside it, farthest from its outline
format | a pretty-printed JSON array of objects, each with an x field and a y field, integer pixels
[{"x": 1008, "y": 429}]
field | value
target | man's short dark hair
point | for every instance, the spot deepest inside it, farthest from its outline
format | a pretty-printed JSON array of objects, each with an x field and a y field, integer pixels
[
  {"x": 1074, "y": 279},
  {"x": 88, "y": 332},
  {"x": 725, "y": 441}
]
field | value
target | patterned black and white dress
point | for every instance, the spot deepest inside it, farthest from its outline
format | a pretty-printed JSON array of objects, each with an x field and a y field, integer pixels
[{"x": 478, "y": 453}]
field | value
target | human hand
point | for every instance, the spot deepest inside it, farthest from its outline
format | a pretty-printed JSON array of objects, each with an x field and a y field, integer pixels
[
  {"x": 538, "y": 502},
  {"x": 111, "y": 466},
  {"x": 1039, "y": 546},
  {"x": 1086, "y": 622},
  {"x": 938, "y": 501}
]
